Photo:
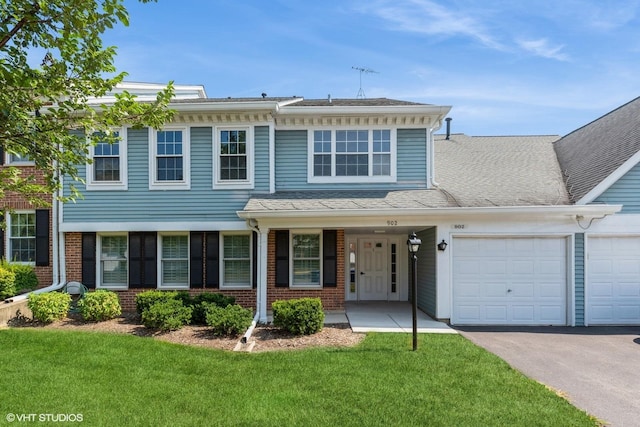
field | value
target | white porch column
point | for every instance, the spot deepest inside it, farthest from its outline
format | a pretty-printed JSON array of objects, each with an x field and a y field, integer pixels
[{"x": 261, "y": 290}]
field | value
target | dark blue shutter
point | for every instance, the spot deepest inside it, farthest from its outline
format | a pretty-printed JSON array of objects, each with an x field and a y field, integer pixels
[
  {"x": 42, "y": 237},
  {"x": 282, "y": 258},
  {"x": 213, "y": 260},
  {"x": 196, "y": 254},
  {"x": 329, "y": 258},
  {"x": 89, "y": 260}
]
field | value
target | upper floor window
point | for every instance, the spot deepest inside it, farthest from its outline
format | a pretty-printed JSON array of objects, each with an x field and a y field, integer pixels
[
  {"x": 352, "y": 155},
  {"x": 236, "y": 261},
  {"x": 233, "y": 158},
  {"x": 169, "y": 160},
  {"x": 108, "y": 170},
  {"x": 22, "y": 236}
]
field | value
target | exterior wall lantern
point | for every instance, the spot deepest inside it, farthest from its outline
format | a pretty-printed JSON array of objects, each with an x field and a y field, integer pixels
[
  {"x": 442, "y": 246},
  {"x": 413, "y": 243}
]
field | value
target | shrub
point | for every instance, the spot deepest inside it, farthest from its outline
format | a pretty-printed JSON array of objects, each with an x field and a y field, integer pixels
[
  {"x": 201, "y": 301},
  {"x": 26, "y": 279},
  {"x": 146, "y": 299},
  {"x": 303, "y": 316},
  {"x": 228, "y": 321},
  {"x": 7, "y": 282},
  {"x": 50, "y": 306},
  {"x": 99, "y": 305},
  {"x": 166, "y": 315}
]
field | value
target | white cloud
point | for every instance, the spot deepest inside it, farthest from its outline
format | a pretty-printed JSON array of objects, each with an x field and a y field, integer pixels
[{"x": 541, "y": 47}]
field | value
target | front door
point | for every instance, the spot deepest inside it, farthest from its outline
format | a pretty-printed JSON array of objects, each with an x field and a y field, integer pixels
[{"x": 372, "y": 274}]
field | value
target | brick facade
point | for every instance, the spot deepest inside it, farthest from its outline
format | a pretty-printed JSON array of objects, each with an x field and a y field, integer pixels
[{"x": 332, "y": 298}]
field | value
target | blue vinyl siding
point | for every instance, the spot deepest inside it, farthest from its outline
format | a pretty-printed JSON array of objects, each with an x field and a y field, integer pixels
[
  {"x": 291, "y": 163},
  {"x": 625, "y": 191},
  {"x": 426, "y": 272},
  {"x": 200, "y": 203},
  {"x": 579, "y": 278}
]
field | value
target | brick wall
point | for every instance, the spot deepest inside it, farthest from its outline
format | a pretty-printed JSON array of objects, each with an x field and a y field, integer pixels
[{"x": 332, "y": 298}]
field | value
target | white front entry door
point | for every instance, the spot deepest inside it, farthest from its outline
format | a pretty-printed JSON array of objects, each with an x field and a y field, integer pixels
[{"x": 372, "y": 273}]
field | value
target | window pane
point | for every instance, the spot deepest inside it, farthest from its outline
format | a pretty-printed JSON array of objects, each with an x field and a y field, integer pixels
[
  {"x": 22, "y": 237},
  {"x": 306, "y": 272},
  {"x": 175, "y": 260},
  {"x": 113, "y": 260},
  {"x": 306, "y": 246},
  {"x": 381, "y": 165},
  {"x": 306, "y": 259}
]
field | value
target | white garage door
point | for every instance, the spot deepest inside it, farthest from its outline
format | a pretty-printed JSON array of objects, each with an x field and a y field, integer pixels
[
  {"x": 613, "y": 281},
  {"x": 509, "y": 281}
]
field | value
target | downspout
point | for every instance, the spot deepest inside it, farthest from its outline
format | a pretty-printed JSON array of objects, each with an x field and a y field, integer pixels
[
  {"x": 253, "y": 225},
  {"x": 431, "y": 150}
]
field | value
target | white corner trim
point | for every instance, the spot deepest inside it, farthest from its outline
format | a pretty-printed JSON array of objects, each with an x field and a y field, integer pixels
[{"x": 604, "y": 185}]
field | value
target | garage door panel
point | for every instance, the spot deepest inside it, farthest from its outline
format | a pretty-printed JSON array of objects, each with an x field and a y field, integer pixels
[
  {"x": 519, "y": 281},
  {"x": 613, "y": 280}
]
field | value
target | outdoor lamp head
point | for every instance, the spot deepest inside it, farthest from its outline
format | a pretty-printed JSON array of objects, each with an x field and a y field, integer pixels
[
  {"x": 414, "y": 243},
  {"x": 442, "y": 245}
]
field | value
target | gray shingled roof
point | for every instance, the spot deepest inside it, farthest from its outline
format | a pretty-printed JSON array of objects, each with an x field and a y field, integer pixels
[
  {"x": 354, "y": 102},
  {"x": 590, "y": 154},
  {"x": 470, "y": 171}
]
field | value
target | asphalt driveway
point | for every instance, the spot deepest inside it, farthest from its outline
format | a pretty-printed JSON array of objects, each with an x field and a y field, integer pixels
[{"x": 596, "y": 368}]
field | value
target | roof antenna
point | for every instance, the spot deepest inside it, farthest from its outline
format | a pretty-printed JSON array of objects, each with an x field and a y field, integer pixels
[{"x": 361, "y": 94}]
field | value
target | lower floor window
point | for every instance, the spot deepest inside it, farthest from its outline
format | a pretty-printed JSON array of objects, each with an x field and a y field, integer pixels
[
  {"x": 236, "y": 258},
  {"x": 306, "y": 259},
  {"x": 174, "y": 263},
  {"x": 113, "y": 261},
  {"x": 22, "y": 236}
]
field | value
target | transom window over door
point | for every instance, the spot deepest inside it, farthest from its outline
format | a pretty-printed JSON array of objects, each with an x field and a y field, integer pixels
[
  {"x": 352, "y": 155},
  {"x": 233, "y": 158},
  {"x": 170, "y": 160}
]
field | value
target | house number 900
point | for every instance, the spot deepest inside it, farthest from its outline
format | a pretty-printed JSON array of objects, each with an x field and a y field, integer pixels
[{"x": 392, "y": 222}]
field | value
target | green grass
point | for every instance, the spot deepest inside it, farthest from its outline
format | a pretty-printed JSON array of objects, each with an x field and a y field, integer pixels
[{"x": 118, "y": 380}]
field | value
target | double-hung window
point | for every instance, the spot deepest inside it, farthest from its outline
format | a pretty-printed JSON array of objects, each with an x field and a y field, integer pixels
[
  {"x": 306, "y": 253},
  {"x": 169, "y": 162},
  {"x": 22, "y": 236},
  {"x": 352, "y": 155},
  {"x": 108, "y": 169},
  {"x": 174, "y": 261},
  {"x": 236, "y": 270},
  {"x": 233, "y": 158},
  {"x": 113, "y": 254}
]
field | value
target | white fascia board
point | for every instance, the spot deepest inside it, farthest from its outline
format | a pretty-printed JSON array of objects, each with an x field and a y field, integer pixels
[
  {"x": 342, "y": 110},
  {"x": 227, "y": 106},
  {"x": 117, "y": 226},
  {"x": 511, "y": 211},
  {"x": 610, "y": 180}
]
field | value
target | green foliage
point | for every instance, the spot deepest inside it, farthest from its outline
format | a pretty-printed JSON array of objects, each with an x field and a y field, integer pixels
[
  {"x": 303, "y": 316},
  {"x": 228, "y": 321},
  {"x": 26, "y": 279},
  {"x": 146, "y": 299},
  {"x": 99, "y": 305},
  {"x": 48, "y": 307},
  {"x": 7, "y": 282},
  {"x": 166, "y": 315},
  {"x": 42, "y": 100},
  {"x": 201, "y": 301}
]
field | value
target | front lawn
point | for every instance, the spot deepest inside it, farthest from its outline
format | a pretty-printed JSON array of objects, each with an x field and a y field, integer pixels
[{"x": 118, "y": 380}]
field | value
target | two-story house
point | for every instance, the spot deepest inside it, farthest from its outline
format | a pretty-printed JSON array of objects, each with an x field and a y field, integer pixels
[{"x": 274, "y": 198}]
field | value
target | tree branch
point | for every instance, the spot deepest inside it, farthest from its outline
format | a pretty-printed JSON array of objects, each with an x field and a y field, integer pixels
[{"x": 21, "y": 23}]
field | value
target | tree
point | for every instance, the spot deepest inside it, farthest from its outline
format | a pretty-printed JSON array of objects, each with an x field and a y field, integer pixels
[{"x": 53, "y": 66}]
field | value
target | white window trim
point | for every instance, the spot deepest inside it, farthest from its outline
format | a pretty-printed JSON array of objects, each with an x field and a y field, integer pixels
[
  {"x": 291, "y": 259},
  {"x": 161, "y": 284},
  {"x": 251, "y": 261},
  {"x": 245, "y": 184},
  {"x": 8, "y": 237},
  {"x": 123, "y": 183},
  {"x": 185, "y": 183},
  {"x": 9, "y": 162},
  {"x": 333, "y": 179},
  {"x": 99, "y": 284}
]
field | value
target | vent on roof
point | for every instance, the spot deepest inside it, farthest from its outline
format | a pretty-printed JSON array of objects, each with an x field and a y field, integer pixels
[{"x": 448, "y": 120}]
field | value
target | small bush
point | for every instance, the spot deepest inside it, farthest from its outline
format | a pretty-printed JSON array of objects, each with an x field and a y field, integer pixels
[
  {"x": 26, "y": 279},
  {"x": 166, "y": 315},
  {"x": 49, "y": 307},
  {"x": 201, "y": 301},
  {"x": 146, "y": 299},
  {"x": 303, "y": 316},
  {"x": 228, "y": 321},
  {"x": 99, "y": 305},
  {"x": 7, "y": 282}
]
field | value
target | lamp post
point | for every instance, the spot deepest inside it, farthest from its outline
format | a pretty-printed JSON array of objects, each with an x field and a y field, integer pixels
[{"x": 414, "y": 246}]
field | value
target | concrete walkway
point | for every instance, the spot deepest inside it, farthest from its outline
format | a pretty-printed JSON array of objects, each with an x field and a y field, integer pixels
[{"x": 390, "y": 317}]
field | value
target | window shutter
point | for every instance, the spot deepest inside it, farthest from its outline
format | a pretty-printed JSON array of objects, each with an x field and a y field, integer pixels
[
  {"x": 142, "y": 260},
  {"x": 135, "y": 260},
  {"x": 1, "y": 155},
  {"x": 329, "y": 258},
  {"x": 89, "y": 260},
  {"x": 254, "y": 259},
  {"x": 213, "y": 260},
  {"x": 1, "y": 236},
  {"x": 196, "y": 253},
  {"x": 282, "y": 258},
  {"x": 150, "y": 256},
  {"x": 42, "y": 237}
]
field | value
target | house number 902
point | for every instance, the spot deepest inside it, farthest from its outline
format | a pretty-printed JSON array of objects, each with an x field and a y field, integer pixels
[{"x": 392, "y": 222}]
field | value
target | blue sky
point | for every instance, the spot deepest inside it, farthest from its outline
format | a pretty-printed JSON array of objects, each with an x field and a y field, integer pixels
[{"x": 507, "y": 67}]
